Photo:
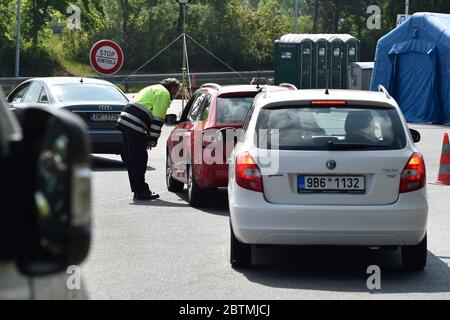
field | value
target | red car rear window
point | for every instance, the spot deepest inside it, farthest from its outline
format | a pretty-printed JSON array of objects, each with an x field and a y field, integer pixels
[{"x": 233, "y": 109}]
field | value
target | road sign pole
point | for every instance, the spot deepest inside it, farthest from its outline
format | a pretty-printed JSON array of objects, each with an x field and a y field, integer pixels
[
  {"x": 406, "y": 7},
  {"x": 17, "y": 65},
  {"x": 296, "y": 15}
]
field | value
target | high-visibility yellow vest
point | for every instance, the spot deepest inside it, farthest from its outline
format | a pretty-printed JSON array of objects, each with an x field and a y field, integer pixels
[
  {"x": 156, "y": 99},
  {"x": 146, "y": 114}
]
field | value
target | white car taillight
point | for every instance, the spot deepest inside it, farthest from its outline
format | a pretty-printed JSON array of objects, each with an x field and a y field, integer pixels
[
  {"x": 248, "y": 175},
  {"x": 414, "y": 175}
]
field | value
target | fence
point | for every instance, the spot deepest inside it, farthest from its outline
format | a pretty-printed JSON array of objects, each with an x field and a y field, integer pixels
[{"x": 196, "y": 78}]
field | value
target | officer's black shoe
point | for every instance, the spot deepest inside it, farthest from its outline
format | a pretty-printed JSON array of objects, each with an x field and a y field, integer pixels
[{"x": 146, "y": 196}]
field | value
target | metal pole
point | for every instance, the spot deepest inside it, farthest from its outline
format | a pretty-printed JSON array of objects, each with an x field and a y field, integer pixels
[
  {"x": 296, "y": 15},
  {"x": 406, "y": 7},
  {"x": 183, "y": 90},
  {"x": 17, "y": 66},
  {"x": 184, "y": 35},
  {"x": 186, "y": 58}
]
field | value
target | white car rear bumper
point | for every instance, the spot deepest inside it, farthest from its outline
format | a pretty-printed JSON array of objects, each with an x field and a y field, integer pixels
[{"x": 256, "y": 221}]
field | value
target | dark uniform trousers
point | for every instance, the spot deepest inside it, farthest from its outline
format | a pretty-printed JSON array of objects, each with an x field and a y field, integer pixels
[{"x": 135, "y": 148}]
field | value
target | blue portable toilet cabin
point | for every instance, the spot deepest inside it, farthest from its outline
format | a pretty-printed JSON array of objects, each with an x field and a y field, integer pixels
[{"x": 413, "y": 63}]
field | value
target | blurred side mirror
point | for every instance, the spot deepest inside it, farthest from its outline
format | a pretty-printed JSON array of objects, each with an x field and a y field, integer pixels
[
  {"x": 54, "y": 230},
  {"x": 171, "y": 120},
  {"x": 415, "y": 135}
]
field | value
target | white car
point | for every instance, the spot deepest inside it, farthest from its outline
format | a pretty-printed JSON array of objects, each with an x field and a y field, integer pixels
[{"x": 328, "y": 168}]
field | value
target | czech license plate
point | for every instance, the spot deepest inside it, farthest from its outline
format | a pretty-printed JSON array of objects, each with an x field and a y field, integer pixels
[
  {"x": 331, "y": 184},
  {"x": 104, "y": 116}
]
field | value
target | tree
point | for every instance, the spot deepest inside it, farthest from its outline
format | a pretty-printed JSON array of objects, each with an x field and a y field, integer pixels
[
  {"x": 239, "y": 32},
  {"x": 6, "y": 21},
  {"x": 38, "y": 14}
]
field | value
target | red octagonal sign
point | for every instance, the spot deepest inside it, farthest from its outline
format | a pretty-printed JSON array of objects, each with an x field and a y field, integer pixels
[{"x": 106, "y": 57}]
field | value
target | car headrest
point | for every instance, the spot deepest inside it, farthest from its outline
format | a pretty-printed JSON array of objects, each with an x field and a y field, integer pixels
[
  {"x": 284, "y": 120},
  {"x": 357, "y": 120}
]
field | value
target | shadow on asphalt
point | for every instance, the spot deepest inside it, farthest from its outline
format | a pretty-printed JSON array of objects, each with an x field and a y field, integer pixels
[
  {"x": 160, "y": 203},
  {"x": 343, "y": 269},
  {"x": 106, "y": 164},
  {"x": 216, "y": 201}
]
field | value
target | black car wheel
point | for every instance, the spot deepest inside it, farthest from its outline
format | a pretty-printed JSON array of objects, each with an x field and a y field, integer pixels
[
  {"x": 414, "y": 258},
  {"x": 240, "y": 253},
  {"x": 195, "y": 194},
  {"x": 172, "y": 184}
]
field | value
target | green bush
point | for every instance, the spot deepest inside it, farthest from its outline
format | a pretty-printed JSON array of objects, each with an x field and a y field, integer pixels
[
  {"x": 38, "y": 62},
  {"x": 6, "y": 61},
  {"x": 33, "y": 62}
]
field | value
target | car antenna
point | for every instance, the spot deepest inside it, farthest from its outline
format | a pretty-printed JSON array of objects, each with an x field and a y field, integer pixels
[
  {"x": 327, "y": 77},
  {"x": 257, "y": 83}
]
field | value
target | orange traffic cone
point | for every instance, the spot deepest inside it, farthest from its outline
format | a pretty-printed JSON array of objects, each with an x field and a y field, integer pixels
[{"x": 444, "y": 170}]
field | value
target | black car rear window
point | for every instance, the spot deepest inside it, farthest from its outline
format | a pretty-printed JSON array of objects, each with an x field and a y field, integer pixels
[
  {"x": 87, "y": 92},
  {"x": 330, "y": 128}
]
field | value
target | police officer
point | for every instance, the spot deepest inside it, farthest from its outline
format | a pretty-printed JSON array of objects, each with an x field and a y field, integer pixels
[{"x": 141, "y": 122}]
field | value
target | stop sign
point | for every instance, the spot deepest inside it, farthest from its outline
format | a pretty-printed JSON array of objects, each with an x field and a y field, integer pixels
[{"x": 106, "y": 57}]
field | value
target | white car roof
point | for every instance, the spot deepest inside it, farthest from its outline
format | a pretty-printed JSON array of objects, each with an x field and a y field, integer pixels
[{"x": 300, "y": 96}]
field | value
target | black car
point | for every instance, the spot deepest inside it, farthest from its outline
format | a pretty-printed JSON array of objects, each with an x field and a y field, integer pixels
[
  {"x": 97, "y": 102},
  {"x": 45, "y": 228}
]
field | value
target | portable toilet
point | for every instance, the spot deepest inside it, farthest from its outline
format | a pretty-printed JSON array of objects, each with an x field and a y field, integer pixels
[
  {"x": 351, "y": 55},
  {"x": 337, "y": 61},
  {"x": 306, "y": 63},
  {"x": 359, "y": 75},
  {"x": 321, "y": 54},
  {"x": 294, "y": 60},
  {"x": 286, "y": 63}
]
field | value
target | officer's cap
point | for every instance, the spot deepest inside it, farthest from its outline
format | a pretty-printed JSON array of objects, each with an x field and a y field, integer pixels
[{"x": 170, "y": 82}]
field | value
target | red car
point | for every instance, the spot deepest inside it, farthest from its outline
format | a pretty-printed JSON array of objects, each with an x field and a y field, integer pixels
[{"x": 190, "y": 159}]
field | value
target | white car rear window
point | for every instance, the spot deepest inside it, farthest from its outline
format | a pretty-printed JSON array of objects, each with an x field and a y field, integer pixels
[{"x": 329, "y": 127}]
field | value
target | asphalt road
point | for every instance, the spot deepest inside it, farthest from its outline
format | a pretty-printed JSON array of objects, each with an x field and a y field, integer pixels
[{"x": 166, "y": 250}]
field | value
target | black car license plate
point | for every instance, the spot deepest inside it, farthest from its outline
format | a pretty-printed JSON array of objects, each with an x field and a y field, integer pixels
[{"x": 104, "y": 117}]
